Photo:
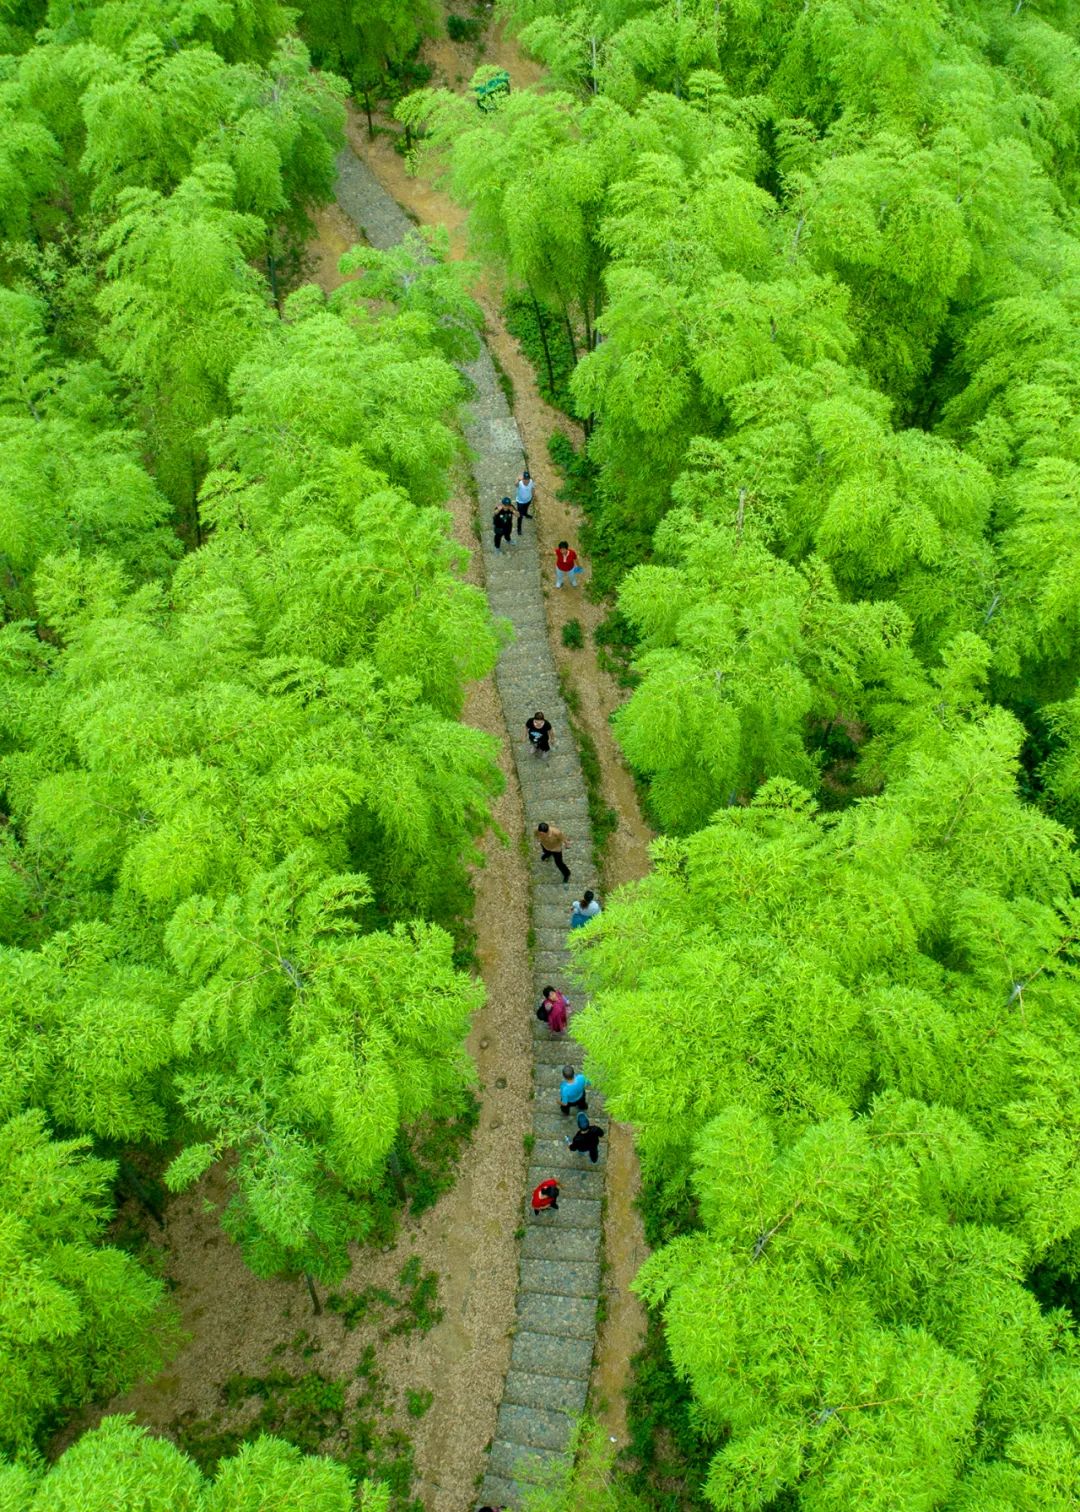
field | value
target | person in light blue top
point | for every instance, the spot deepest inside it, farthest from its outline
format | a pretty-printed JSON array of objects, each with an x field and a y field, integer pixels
[
  {"x": 572, "y": 1090},
  {"x": 581, "y": 913},
  {"x": 523, "y": 498}
]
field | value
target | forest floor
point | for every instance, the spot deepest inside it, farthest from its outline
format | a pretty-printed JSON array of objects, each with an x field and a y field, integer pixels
[{"x": 440, "y": 1382}]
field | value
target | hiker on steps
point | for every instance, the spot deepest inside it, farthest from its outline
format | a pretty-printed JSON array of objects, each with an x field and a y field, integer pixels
[
  {"x": 523, "y": 497},
  {"x": 539, "y": 734},
  {"x": 572, "y": 1090},
  {"x": 581, "y": 912},
  {"x": 546, "y": 1195},
  {"x": 587, "y": 1139},
  {"x": 503, "y": 521},
  {"x": 552, "y": 1010},
  {"x": 552, "y": 843}
]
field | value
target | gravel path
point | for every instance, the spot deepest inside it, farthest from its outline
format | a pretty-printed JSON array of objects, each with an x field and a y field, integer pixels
[{"x": 559, "y": 1265}]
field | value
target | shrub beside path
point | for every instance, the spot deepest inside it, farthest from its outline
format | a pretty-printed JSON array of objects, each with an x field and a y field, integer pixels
[{"x": 559, "y": 1265}]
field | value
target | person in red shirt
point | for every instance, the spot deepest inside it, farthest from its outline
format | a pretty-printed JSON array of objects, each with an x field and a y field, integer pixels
[
  {"x": 566, "y": 564},
  {"x": 546, "y": 1195},
  {"x": 553, "y": 1009}
]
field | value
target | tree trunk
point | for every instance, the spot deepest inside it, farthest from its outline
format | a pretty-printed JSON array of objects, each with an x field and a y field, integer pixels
[
  {"x": 393, "y": 1165},
  {"x": 130, "y": 1177},
  {"x": 543, "y": 340},
  {"x": 271, "y": 268},
  {"x": 570, "y": 334},
  {"x": 313, "y": 1294},
  {"x": 367, "y": 112}
]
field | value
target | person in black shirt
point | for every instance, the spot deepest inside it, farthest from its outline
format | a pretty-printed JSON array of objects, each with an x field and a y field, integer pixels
[
  {"x": 503, "y": 521},
  {"x": 587, "y": 1139},
  {"x": 538, "y": 734}
]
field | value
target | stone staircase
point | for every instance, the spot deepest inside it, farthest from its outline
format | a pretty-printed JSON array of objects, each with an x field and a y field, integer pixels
[{"x": 559, "y": 1265}]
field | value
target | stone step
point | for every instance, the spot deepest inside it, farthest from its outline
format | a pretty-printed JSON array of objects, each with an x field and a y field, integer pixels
[
  {"x": 549, "y": 1354},
  {"x": 497, "y": 1492},
  {"x": 551, "y": 1054},
  {"x": 533, "y": 1426},
  {"x": 509, "y": 597},
  {"x": 548, "y": 1123},
  {"x": 572, "y": 1213},
  {"x": 556, "y": 1155},
  {"x": 577, "y": 1185},
  {"x": 543, "y": 1243},
  {"x": 547, "y": 1070},
  {"x": 522, "y": 1463},
  {"x": 553, "y": 1393},
  {"x": 574, "y": 1317},
  {"x": 560, "y": 1278},
  {"x": 546, "y": 1102},
  {"x": 555, "y": 934},
  {"x": 541, "y": 1034},
  {"x": 551, "y": 962},
  {"x": 564, "y": 792},
  {"x": 552, "y": 913}
]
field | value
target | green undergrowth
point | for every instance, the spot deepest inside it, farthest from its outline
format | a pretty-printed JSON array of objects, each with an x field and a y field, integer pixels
[
  {"x": 573, "y": 637},
  {"x": 505, "y": 382},
  {"x": 348, "y": 1418},
  {"x": 603, "y": 819},
  {"x": 414, "y": 1308},
  {"x": 666, "y": 1460},
  {"x": 610, "y": 552},
  {"x": 542, "y": 336},
  {"x": 427, "y": 1159},
  {"x": 616, "y": 647}
]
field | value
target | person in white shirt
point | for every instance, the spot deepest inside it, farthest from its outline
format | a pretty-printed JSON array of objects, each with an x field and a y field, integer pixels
[
  {"x": 523, "y": 498},
  {"x": 581, "y": 913}
]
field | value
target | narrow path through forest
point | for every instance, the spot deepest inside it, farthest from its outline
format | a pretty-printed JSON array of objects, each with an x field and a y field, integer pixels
[{"x": 559, "y": 1270}]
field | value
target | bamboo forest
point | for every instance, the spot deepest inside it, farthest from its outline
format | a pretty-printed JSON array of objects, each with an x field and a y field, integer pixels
[{"x": 539, "y": 755}]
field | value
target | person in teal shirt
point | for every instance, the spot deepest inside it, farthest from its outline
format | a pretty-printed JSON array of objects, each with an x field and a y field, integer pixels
[{"x": 572, "y": 1090}]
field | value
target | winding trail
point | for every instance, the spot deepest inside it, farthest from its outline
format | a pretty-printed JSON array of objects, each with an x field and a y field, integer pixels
[{"x": 559, "y": 1265}]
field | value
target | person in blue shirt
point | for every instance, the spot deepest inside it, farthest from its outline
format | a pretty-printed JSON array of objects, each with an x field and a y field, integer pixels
[
  {"x": 523, "y": 497},
  {"x": 572, "y": 1090}
]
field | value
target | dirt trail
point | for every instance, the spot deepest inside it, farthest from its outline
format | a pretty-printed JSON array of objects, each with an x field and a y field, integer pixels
[{"x": 599, "y": 694}]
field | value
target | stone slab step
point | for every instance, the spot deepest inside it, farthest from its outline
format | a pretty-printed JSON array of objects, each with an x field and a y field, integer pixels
[
  {"x": 524, "y": 1464},
  {"x": 497, "y": 1492},
  {"x": 560, "y": 1278},
  {"x": 554, "y": 1393},
  {"x": 533, "y": 1426},
  {"x": 573, "y": 1317},
  {"x": 551, "y": 955},
  {"x": 543, "y": 1243},
  {"x": 546, "y": 1100},
  {"x": 548, "y": 1122},
  {"x": 556, "y": 1155},
  {"x": 547, "y": 1072},
  {"x": 509, "y": 598},
  {"x": 573, "y": 1213},
  {"x": 549, "y": 914},
  {"x": 547, "y": 1354},
  {"x": 552, "y": 1054}
]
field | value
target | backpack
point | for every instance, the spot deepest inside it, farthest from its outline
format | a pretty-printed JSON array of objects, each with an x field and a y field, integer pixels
[{"x": 543, "y": 1012}]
